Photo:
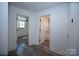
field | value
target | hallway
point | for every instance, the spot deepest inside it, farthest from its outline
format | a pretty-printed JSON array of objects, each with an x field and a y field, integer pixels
[{"x": 59, "y": 32}]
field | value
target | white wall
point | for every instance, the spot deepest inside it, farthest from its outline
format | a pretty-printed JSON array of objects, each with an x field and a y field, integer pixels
[
  {"x": 78, "y": 29},
  {"x": 12, "y": 26},
  {"x": 3, "y": 28},
  {"x": 74, "y": 29},
  {"x": 58, "y": 30}
]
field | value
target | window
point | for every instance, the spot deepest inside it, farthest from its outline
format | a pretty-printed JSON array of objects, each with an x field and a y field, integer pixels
[{"x": 21, "y": 22}]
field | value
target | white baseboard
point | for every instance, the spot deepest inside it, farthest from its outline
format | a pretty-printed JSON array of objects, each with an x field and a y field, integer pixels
[{"x": 63, "y": 53}]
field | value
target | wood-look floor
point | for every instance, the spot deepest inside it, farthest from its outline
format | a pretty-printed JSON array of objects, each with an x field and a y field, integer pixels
[{"x": 23, "y": 49}]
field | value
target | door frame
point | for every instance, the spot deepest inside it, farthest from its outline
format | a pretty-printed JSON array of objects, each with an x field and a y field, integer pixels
[
  {"x": 40, "y": 28},
  {"x": 16, "y": 26}
]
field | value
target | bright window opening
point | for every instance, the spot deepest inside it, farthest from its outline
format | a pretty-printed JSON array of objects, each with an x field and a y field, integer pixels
[{"x": 21, "y": 22}]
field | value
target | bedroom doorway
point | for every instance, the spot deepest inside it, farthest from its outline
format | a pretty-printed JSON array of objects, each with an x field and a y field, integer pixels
[{"x": 44, "y": 31}]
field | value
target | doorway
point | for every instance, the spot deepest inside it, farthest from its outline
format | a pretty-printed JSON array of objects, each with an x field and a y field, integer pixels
[
  {"x": 44, "y": 31},
  {"x": 22, "y": 27}
]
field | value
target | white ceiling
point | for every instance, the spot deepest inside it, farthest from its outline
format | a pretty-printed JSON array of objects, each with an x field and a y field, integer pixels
[{"x": 35, "y": 6}]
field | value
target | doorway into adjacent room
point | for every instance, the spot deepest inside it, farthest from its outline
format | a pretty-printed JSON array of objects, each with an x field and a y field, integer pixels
[
  {"x": 22, "y": 27},
  {"x": 44, "y": 31}
]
